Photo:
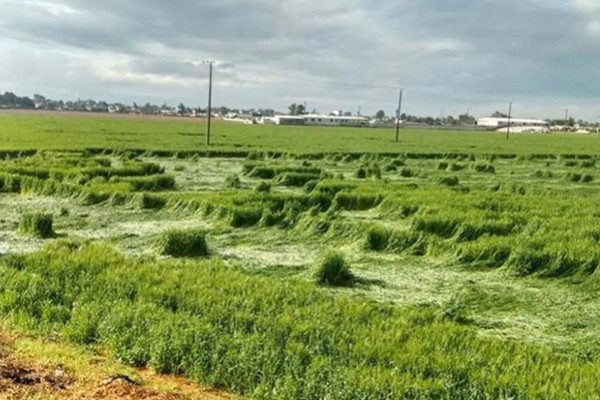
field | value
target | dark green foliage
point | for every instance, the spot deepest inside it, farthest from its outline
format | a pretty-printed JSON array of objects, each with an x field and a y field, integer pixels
[
  {"x": 448, "y": 181},
  {"x": 373, "y": 171},
  {"x": 247, "y": 168},
  {"x": 361, "y": 173},
  {"x": 269, "y": 219},
  {"x": 263, "y": 187},
  {"x": 39, "y": 173},
  {"x": 470, "y": 231},
  {"x": 233, "y": 181},
  {"x": 454, "y": 167},
  {"x": 587, "y": 178},
  {"x": 484, "y": 167},
  {"x": 255, "y": 155},
  {"x": 311, "y": 185},
  {"x": 184, "y": 243},
  {"x": 443, "y": 165},
  {"x": 390, "y": 168},
  {"x": 332, "y": 188},
  {"x": 588, "y": 164},
  {"x": 518, "y": 188},
  {"x": 272, "y": 171},
  {"x": 334, "y": 271},
  {"x": 356, "y": 201},
  {"x": 541, "y": 174},
  {"x": 321, "y": 226},
  {"x": 152, "y": 183},
  {"x": 296, "y": 179},
  {"x": 570, "y": 163},
  {"x": 377, "y": 238},
  {"x": 486, "y": 254},
  {"x": 244, "y": 217},
  {"x": 401, "y": 241},
  {"x": 10, "y": 183},
  {"x": 130, "y": 169},
  {"x": 36, "y": 224},
  {"x": 262, "y": 172},
  {"x": 574, "y": 176},
  {"x": 407, "y": 173},
  {"x": 150, "y": 202},
  {"x": 436, "y": 225},
  {"x": 526, "y": 260},
  {"x": 90, "y": 198},
  {"x": 408, "y": 210}
]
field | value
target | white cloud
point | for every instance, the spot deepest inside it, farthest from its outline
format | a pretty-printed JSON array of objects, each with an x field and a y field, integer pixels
[{"x": 447, "y": 53}]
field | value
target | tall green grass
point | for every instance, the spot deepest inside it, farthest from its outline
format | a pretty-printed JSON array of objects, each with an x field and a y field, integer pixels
[
  {"x": 184, "y": 243},
  {"x": 270, "y": 338},
  {"x": 36, "y": 224}
]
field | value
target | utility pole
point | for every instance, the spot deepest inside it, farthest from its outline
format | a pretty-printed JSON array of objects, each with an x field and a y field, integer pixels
[
  {"x": 209, "y": 114},
  {"x": 398, "y": 116},
  {"x": 509, "y": 115},
  {"x": 566, "y": 121},
  {"x": 209, "y": 109}
]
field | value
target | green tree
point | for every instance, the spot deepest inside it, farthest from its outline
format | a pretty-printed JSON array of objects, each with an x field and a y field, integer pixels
[{"x": 297, "y": 109}]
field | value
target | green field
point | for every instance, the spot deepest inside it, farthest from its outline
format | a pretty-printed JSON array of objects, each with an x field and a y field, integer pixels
[
  {"x": 473, "y": 260},
  {"x": 24, "y": 131}
]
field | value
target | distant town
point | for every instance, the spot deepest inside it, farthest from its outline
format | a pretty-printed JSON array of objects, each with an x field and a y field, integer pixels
[{"x": 297, "y": 114}]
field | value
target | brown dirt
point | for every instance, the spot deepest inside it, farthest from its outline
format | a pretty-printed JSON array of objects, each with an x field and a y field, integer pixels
[{"x": 21, "y": 379}]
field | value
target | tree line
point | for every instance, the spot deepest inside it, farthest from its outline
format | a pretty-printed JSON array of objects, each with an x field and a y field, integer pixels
[{"x": 9, "y": 100}]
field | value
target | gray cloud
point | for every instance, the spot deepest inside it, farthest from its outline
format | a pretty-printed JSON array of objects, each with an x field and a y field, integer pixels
[{"x": 449, "y": 54}]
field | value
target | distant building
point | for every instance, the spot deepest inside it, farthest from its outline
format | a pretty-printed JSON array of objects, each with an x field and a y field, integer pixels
[
  {"x": 316, "y": 120},
  {"x": 516, "y": 124},
  {"x": 332, "y": 120},
  {"x": 284, "y": 120}
]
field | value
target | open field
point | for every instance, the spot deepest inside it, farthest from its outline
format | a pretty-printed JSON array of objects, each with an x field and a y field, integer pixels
[
  {"x": 77, "y": 132},
  {"x": 474, "y": 260}
]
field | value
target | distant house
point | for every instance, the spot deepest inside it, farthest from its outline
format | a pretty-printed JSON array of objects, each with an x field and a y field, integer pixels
[{"x": 516, "y": 124}]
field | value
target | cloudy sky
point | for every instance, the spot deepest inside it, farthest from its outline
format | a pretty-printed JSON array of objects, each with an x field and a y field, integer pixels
[{"x": 450, "y": 55}]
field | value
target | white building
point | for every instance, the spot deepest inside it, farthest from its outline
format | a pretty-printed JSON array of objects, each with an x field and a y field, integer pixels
[
  {"x": 516, "y": 124},
  {"x": 500, "y": 123},
  {"x": 316, "y": 119},
  {"x": 333, "y": 120}
]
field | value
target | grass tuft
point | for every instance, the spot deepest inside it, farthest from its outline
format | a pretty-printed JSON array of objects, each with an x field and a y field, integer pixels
[
  {"x": 263, "y": 187},
  {"x": 233, "y": 181},
  {"x": 377, "y": 238},
  {"x": 334, "y": 271},
  {"x": 449, "y": 181},
  {"x": 184, "y": 243},
  {"x": 36, "y": 224}
]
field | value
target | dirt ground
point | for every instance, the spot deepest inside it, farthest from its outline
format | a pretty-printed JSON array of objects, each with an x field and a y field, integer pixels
[{"x": 43, "y": 377}]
